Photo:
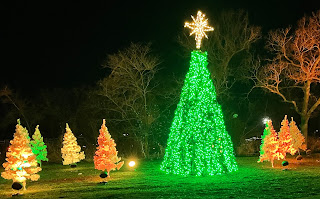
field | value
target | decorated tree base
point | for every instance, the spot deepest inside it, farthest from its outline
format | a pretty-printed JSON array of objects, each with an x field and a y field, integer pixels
[{"x": 73, "y": 166}]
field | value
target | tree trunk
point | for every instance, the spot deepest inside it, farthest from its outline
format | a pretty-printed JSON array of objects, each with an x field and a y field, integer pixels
[
  {"x": 304, "y": 112},
  {"x": 145, "y": 148},
  {"x": 304, "y": 127}
]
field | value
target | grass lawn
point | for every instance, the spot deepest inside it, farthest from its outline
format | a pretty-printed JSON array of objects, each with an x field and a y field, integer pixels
[{"x": 253, "y": 180}]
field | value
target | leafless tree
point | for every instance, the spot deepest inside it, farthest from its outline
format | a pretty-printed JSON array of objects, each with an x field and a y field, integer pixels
[
  {"x": 294, "y": 71},
  {"x": 9, "y": 97},
  {"x": 131, "y": 90}
]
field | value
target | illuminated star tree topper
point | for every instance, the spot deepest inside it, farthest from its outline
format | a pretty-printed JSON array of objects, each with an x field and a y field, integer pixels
[{"x": 199, "y": 26}]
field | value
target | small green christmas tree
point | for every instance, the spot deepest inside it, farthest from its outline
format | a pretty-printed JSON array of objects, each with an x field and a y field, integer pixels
[{"x": 38, "y": 146}]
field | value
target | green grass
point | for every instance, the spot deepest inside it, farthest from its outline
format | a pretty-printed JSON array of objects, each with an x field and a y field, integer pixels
[{"x": 253, "y": 180}]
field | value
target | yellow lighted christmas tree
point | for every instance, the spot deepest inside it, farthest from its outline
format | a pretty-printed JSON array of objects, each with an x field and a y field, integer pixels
[
  {"x": 269, "y": 144},
  {"x": 71, "y": 151},
  {"x": 21, "y": 163}
]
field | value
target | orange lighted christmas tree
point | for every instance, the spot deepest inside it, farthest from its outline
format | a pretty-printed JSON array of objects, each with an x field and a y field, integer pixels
[
  {"x": 106, "y": 158},
  {"x": 269, "y": 145},
  {"x": 71, "y": 151},
  {"x": 38, "y": 146},
  {"x": 285, "y": 140},
  {"x": 297, "y": 138},
  {"x": 21, "y": 163}
]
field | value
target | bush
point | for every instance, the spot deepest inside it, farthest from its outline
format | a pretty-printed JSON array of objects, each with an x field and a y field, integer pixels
[
  {"x": 249, "y": 147},
  {"x": 314, "y": 144},
  {"x": 54, "y": 150}
]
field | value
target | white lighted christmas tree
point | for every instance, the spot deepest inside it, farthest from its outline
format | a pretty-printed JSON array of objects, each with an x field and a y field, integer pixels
[
  {"x": 71, "y": 151},
  {"x": 21, "y": 163},
  {"x": 198, "y": 142},
  {"x": 298, "y": 140}
]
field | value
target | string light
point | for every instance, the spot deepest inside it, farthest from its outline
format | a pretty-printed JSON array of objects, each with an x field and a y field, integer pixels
[
  {"x": 199, "y": 26},
  {"x": 198, "y": 142}
]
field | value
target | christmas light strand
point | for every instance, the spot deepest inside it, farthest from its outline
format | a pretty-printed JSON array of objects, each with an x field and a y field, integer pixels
[{"x": 198, "y": 142}]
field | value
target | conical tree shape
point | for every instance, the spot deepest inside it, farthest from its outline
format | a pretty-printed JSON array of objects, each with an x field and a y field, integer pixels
[
  {"x": 297, "y": 138},
  {"x": 285, "y": 140},
  {"x": 198, "y": 142},
  {"x": 21, "y": 162},
  {"x": 269, "y": 144},
  {"x": 106, "y": 156},
  {"x": 71, "y": 151},
  {"x": 38, "y": 146}
]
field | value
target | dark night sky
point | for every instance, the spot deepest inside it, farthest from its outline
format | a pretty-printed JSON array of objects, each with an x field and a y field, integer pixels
[{"x": 46, "y": 45}]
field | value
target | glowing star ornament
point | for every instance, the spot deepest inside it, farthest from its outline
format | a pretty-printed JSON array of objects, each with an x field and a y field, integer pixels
[{"x": 199, "y": 26}]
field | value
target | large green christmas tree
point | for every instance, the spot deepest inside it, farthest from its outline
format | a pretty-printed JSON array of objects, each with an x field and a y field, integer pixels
[{"x": 198, "y": 142}]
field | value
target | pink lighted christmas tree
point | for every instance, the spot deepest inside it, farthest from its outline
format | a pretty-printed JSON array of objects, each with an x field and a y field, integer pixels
[
  {"x": 285, "y": 140},
  {"x": 106, "y": 157}
]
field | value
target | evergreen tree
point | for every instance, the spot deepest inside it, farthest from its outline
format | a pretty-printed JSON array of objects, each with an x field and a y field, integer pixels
[
  {"x": 21, "y": 163},
  {"x": 198, "y": 142},
  {"x": 285, "y": 140},
  {"x": 106, "y": 158},
  {"x": 297, "y": 138},
  {"x": 269, "y": 144},
  {"x": 71, "y": 151},
  {"x": 38, "y": 146}
]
